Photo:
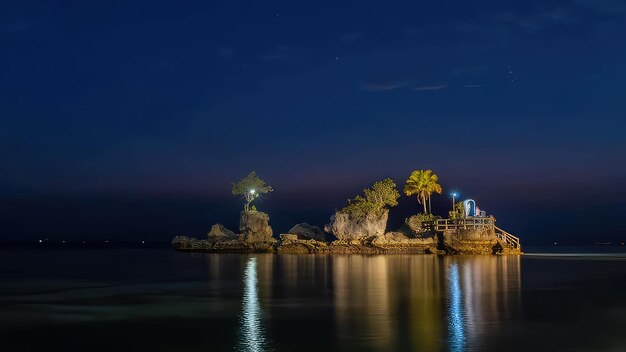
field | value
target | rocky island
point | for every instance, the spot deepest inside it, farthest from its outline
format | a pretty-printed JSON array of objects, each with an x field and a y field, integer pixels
[{"x": 361, "y": 226}]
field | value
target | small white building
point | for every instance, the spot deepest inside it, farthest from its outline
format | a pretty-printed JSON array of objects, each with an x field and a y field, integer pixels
[{"x": 472, "y": 210}]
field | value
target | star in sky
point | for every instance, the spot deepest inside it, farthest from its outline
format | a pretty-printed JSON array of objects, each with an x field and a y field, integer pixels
[{"x": 510, "y": 75}]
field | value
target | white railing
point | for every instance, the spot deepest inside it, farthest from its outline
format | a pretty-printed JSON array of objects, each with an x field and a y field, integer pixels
[
  {"x": 511, "y": 240},
  {"x": 464, "y": 224}
]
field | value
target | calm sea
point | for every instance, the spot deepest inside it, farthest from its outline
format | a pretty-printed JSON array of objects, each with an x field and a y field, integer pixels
[{"x": 163, "y": 300}]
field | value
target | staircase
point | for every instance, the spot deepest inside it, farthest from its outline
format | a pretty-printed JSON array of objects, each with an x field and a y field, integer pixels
[{"x": 504, "y": 237}]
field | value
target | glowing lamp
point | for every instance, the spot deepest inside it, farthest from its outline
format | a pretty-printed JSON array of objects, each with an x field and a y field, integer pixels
[{"x": 454, "y": 195}]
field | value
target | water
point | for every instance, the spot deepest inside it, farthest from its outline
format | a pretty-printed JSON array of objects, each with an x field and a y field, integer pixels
[{"x": 162, "y": 300}]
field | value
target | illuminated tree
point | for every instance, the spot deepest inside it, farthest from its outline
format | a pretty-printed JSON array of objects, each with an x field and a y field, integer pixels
[
  {"x": 251, "y": 187},
  {"x": 422, "y": 183},
  {"x": 381, "y": 195},
  {"x": 458, "y": 212}
]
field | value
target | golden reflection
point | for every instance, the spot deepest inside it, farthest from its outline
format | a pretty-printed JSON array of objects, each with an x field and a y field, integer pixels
[
  {"x": 423, "y": 302},
  {"x": 386, "y": 302},
  {"x": 362, "y": 299},
  {"x": 301, "y": 271}
]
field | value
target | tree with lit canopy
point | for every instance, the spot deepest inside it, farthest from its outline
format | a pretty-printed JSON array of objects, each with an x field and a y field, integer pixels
[
  {"x": 251, "y": 187},
  {"x": 422, "y": 183},
  {"x": 381, "y": 195}
]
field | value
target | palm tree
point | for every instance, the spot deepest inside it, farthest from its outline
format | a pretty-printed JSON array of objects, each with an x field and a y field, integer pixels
[
  {"x": 433, "y": 187},
  {"x": 415, "y": 185},
  {"x": 422, "y": 183}
]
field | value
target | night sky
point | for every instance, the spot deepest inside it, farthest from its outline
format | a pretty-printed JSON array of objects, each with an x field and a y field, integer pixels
[{"x": 130, "y": 119}]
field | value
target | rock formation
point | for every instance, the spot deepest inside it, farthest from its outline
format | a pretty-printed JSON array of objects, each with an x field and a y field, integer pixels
[
  {"x": 220, "y": 233},
  {"x": 415, "y": 226},
  {"x": 183, "y": 242},
  {"x": 356, "y": 234},
  {"x": 350, "y": 227},
  {"x": 305, "y": 231},
  {"x": 256, "y": 236},
  {"x": 254, "y": 227},
  {"x": 291, "y": 243},
  {"x": 471, "y": 241},
  {"x": 398, "y": 242}
]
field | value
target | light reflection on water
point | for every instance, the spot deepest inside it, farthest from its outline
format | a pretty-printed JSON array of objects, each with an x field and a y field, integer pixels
[
  {"x": 455, "y": 320},
  {"x": 423, "y": 302},
  {"x": 251, "y": 333},
  {"x": 393, "y": 302},
  {"x": 266, "y": 302}
]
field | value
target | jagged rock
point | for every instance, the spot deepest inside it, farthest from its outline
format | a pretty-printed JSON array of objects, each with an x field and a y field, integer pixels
[
  {"x": 392, "y": 236},
  {"x": 305, "y": 231},
  {"x": 180, "y": 242},
  {"x": 183, "y": 242},
  {"x": 354, "y": 247},
  {"x": 415, "y": 225},
  {"x": 220, "y": 233},
  {"x": 470, "y": 241},
  {"x": 398, "y": 242},
  {"x": 256, "y": 236},
  {"x": 254, "y": 227},
  {"x": 202, "y": 244},
  {"x": 290, "y": 243},
  {"x": 288, "y": 237},
  {"x": 407, "y": 231},
  {"x": 349, "y": 227},
  {"x": 231, "y": 246}
]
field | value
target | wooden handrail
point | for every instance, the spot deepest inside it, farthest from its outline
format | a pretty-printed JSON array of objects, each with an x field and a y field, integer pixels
[{"x": 507, "y": 237}]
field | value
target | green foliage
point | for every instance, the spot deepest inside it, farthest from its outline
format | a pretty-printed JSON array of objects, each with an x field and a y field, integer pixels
[
  {"x": 250, "y": 182},
  {"x": 381, "y": 195},
  {"x": 251, "y": 187},
  {"x": 422, "y": 183},
  {"x": 458, "y": 213},
  {"x": 421, "y": 222},
  {"x": 426, "y": 217}
]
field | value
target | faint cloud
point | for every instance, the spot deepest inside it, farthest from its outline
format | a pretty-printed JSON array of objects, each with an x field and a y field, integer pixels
[
  {"x": 473, "y": 86},
  {"x": 435, "y": 87},
  {"x": 611, "y": 7},
  {"x": 533, "y": 22},
  {"x": 226, "y": 52},
  {"x": 17, "y": 26},
  {"x": 474, "y": 27},
  {"x": 412, "y": 30},
  {"x": 350, "y": 37},
  {"x": 538, "y": 21},
  {"x": 476, "y": 70},
  {"x": 284, "y": 54},
  {"x": 381, "y": 86}
]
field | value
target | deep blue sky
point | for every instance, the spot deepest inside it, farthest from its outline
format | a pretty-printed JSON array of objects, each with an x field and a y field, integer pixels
[{"x": 129, "y": 119}]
